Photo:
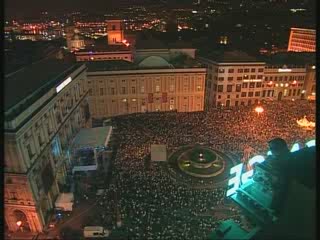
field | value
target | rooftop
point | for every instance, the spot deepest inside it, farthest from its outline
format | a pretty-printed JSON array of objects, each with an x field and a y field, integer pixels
[
  {"x": 151, "y": 62},
  {"x": 105, "y": 48},
  {"x": 290, "y": 58},
  {"x": 37, "y": 79},
  {"x": 229, "y": 56},
  {"x": 153, "y": 43}
]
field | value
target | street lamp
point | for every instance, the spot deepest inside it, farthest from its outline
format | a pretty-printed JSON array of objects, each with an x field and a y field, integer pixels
[{"x": 259, "y": 110}]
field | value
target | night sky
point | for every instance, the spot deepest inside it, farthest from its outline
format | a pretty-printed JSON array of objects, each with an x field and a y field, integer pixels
[{"x": 19, "y": 8}]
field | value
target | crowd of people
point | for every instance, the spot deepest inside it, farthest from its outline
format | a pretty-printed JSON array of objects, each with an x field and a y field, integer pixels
[{"x": 148, "y": 204}]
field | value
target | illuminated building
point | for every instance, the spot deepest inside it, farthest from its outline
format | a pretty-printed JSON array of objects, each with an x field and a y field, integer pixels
[
  {"x": 310, "y": 82},
  {"x": 45, "y": 106},
  {"x": 77, "y": 42},
  {"x": 113, "y": 52},
  {"x": 119, "y": 87},
  {"x": 302, "y": 40},
  {"x": 233, "y": 79},
  {"x": 115, "y": 32},
  {"x": 286, "y": 83}
]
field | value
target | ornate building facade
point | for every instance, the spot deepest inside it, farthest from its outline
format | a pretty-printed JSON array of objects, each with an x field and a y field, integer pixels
[
  {"x": 41, "y": 117},
  {"x": 152, "y": 85}
]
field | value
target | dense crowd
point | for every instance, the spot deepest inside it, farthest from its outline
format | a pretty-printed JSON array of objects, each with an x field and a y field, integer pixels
[{"x": 149, "y": 204}]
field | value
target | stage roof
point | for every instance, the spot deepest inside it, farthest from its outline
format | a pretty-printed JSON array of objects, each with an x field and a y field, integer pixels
[{"x": 92, "y": 137}]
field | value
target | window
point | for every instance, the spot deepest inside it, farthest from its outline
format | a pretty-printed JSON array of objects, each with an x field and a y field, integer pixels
[
  {"x": 258, "y": 85},
  {"x": 240, "y": 70},
  {"x": 251, "y": 85},
  {"x": 266, "y": 78},
  {"x": 171, "y": 89},
  {"x": 260, "y": 69},
  {"x": 239, "y": 78},
  {"x": 294, "y": 92},
  {"x": 29, "y": 150},
  {"x": 236, "y": 103},
  {"x": 40, "y": 140},
  {"x": 289, "y": 92},
  {"x": 215, "y": 87},
  {"x": 259, "y": 77},
  {"x": 298, "y": 93},
  {"x": 90, "y": 92},
  {"x": 133, "y": 90},
  {"x": 253, "y": 77},
  {"x": 246, "y": 70},
  {"x": 243, "y": 94},
  {"x": 219, "y": 96},
  {"x": 228, "y": 96},
  {"x": 101, "y": 91},
  {"x": 220, "y": 88},
  {"x": 244, "y": 85},
  {"x": 286, "y": 78},
  {"x": 230, "y": 78},
  {"x": 231, "y": 70},
  {"x": 112, "y": 91},
  {"x": 229, "y": 88},
  {"x": 123, "y": 90},
  {"x": 271, "y": 78},
  {"x": 157, "y": 88},
  {"x": 199, "y": 87},
  {"x": 250, "y": 94},
  {"x": 221, "y": 70},
  {"x": 238, "y": 88},
  {"x": 142, "y": 89},
  {"x": 210, "y": 76},
  {"x": 245, "y": 77},
  {"x": 220, "y": 78},
  {"x": 253, "y": 70},
  {"x": 237, "y": 96},
  {"x": 257, "y": 94},
  {"x": 263, "y": 93}
]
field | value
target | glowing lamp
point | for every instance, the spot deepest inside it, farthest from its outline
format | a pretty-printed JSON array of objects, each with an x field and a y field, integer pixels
[
  {"x": 270, "y": 83},
  {"x": 259, "y": 110},
  {"x": 19, "y": 223},
  {"x": 294, "y": 82},
  {"x": 124, "y": 41}
]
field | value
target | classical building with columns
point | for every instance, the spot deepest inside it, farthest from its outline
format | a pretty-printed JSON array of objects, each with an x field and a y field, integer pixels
[
  {"x": 45, "y": 106},
  {"x": 153, "y": 84}
]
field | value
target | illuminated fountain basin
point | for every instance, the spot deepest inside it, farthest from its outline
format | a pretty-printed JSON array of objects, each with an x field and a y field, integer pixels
[{"x": 201, "y": 162}]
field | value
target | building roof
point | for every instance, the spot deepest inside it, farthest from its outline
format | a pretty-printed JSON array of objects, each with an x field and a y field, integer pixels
[
  {"x": 36, "y": 78},
  {"x": 92, "y": 137},
  {"x": 150, "y": 44},
  {"x": 150, "y": 62},
  {"x": 229, "y": 56},
  {"x": 290, "y": 58}
]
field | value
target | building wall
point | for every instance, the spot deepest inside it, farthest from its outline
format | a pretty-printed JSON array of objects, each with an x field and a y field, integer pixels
[
  {"x": 287, "y": 83},
  {"x": 229, "y": 84},
  {"x": 234, "y": 84},
  {"x": 115, "y": 32},
  {"x": 302, "y": 40},
  {"x": 103, "y": 56},
  {"x": 310, "y": 82},
  {"x": 125, "y": 92},
  {"x": 38, "y": 149}
]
